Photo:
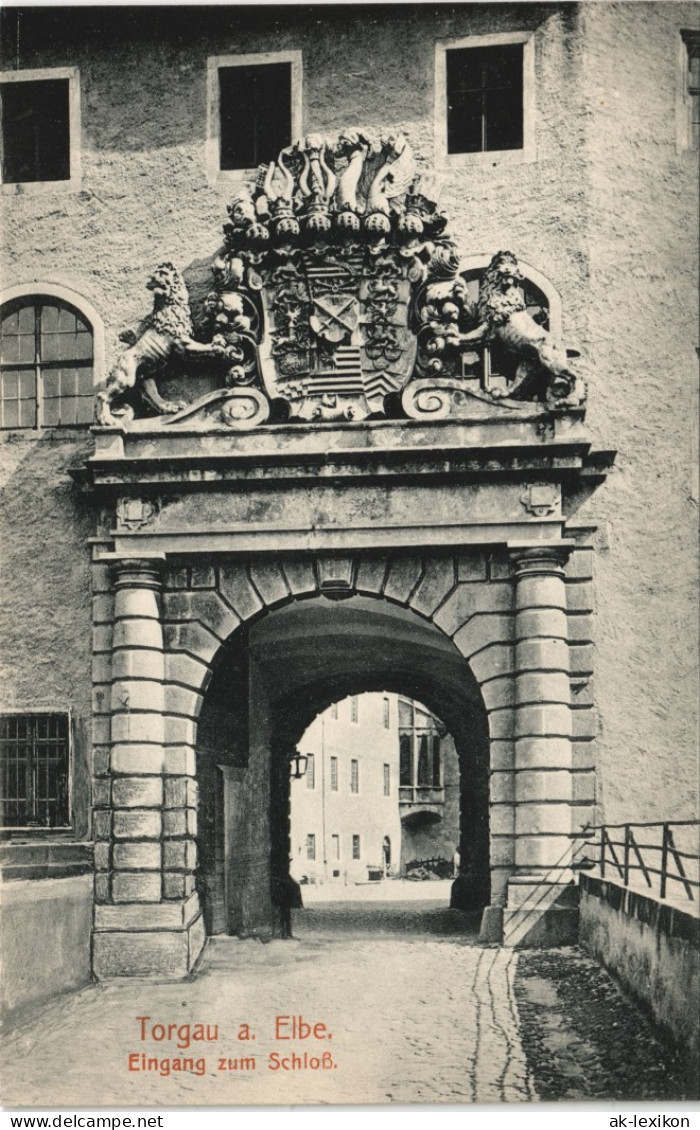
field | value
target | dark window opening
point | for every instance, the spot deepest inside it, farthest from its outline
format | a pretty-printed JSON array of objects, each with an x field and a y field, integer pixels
[
  {"x": 436, "y": 761},
  {"x": 355, "y": 847},
  {"x": 485, "y": 99},
  {"x": 46, "y": 365},
  {"x": 34, "y": 770},
  {"x": 35, "y": 131},
  {"x": 255, "y": 108},
  {"x": 405, "y": 759},
  {"x": 424, "y": 774}
]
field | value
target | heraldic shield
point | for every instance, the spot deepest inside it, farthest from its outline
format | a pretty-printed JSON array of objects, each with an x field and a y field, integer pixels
[{"x": 338, "y": 296}]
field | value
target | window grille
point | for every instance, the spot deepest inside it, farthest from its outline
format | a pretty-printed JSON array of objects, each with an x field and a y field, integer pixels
[
  {"x": 484, "y": 98},
  {"x": 387, "y": 715},
  {"x": 356, "y": 847},
  {"x": 310, "y": 771},
  {"x": 34, "y": 761},
  {"x": 311, "y": 846},
  {"x": 46, "y": 365},
  {"x": 334, "y": 774},
  {"x": 387, "y": 780}
]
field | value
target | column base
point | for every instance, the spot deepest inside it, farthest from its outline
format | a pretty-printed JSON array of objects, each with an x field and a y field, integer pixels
[
  {"x": 147, "y": 939},
  {"x": 491, "y": 929},
  {"x": 540, "y": 913}
]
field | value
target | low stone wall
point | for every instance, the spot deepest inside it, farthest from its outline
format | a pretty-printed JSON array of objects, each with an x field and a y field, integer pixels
[
  {"x": 654, "y": 950},
  {"x": 45, "y": 925}
]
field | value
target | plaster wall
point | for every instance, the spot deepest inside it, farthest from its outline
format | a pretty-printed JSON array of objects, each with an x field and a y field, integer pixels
[
  {"x": 654, "y": 950},
  {"x": 606, "y": 212},
  {"x": 32, "y": 913}
]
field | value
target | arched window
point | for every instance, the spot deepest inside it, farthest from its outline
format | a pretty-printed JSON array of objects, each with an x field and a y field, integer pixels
[{"x": 46, "y": 364}]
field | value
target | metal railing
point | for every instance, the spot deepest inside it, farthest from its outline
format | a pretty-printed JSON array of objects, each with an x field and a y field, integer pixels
[{"x": 660, "y": 856}]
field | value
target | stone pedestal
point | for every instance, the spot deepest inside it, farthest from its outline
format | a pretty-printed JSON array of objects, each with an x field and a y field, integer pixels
[{"x": 147, "y": 916}]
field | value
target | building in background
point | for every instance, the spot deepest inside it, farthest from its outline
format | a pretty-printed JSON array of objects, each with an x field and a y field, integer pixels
[{"x": 379, "y": 795}]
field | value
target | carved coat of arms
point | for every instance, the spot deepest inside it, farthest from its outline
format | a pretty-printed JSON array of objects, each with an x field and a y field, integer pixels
[{"x": 338, "y": 297}]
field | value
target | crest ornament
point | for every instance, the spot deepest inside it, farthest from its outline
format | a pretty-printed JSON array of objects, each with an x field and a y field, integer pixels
[{"x": 339, "y": 295}]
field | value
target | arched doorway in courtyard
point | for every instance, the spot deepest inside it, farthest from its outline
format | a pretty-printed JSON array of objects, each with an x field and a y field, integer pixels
[{"x": 270, "y": 681}]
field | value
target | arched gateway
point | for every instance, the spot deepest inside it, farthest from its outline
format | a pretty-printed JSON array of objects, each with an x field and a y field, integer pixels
[{"x": 369, "y": 488}]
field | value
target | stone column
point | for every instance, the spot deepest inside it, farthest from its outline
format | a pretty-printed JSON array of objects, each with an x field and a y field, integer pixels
[
  {"x": 147, "y": 916},
  {"x": 540, "y": 898}
]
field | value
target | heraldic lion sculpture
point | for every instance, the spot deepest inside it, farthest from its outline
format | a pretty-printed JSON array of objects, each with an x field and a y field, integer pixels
[
  {"x": 543, "y": 363},
  {"x": 165, "y": 333}
]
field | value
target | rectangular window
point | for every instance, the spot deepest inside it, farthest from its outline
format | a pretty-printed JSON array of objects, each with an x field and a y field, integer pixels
[
  {"x": 334, "y": 774},
  {"x": 334, "y": 711},
  {"x": 485, "y": 97},
  {"x": 406, "y": 758},
  {"x": 40, "y": 126},
  {"x": 387, "y": 713},
  {"x": 310, "y": 771},
  {"x": 254, "y": 109},
  {"x": 355, "y": 847},
  {"x": 311, "y": 846},
  {"x": 436, "y": 761},
  {"x": 387, "y": 780},
  {"x": 354, "y": 709},
  {"x": 335, "y": 846},
  {"x": 354, "y": 776},
  {"x": 34, "y": 770}
]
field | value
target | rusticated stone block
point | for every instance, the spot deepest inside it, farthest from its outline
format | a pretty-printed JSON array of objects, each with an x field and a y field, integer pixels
[
  {"x": 180, "y": 822},
  {"x": 579, "y": 596},
  {"x": 502, "y": 723},
  {"x": 192, "y": 637},
  {"x": 502, "y": 787},
  {"x": 542, "y": 655},
  {"x": 471, "y": 567},
  {"x": 177, "y": 605},
  {"x": 203, "y": 577},
  {"x": 371, "y": 574},
  {"x": 541, "y": 592},
  {"x": 137, "y": 694},
  {"x": 269, "y": 581},
  {"x": 136, "y": 602},
  {"x": 439, "y": 578},
  {"x": 300, "y": 577},
  {"x": 102, "y": 638},
  {"x": 101, "y": 856},
  {"x": 186, "y": 671},
  {"x": 101, "y": 698},
  {"x": 127, "y": 727},
  {"x": 404, "y": 575},
  {"x": 580, "y": 627},
  {"x": 133, "y": 824},
  {"x": 544, "y": 851},
  {"x": 138, "y": 633},
  {"x": 580, "y": 563},
  {"x": 103, "y": 608},
  {"x": 100, "y": 760},
  {"x": 175, "y": 578},
  {"x": 543, "y": 752},
  {"x": 179, "y": 761},
  {"x": 551, "y": 720},
  {"x": 138, "y": 886},
  {"x": 101, "y": 824},
  {"x": 101, "y": 578},
  {"x": 238, "y": 592},
  {"x": 178, "y": 700},
  {"x": 137, "y": 856},
  {"x": 546, "y": 623},
  {"x": 534, "y": 785},
  {"x": 583, "y": 754},
  {"x": 137, "y": 792},
  {"x": 101, "y": 669},
  {"x": 498, "y": 692},
  {"x": 179, "y": 731},
  {"x": 584, "y": 723},
  {"x": 139, "y": 757},
  {"x": 137, "y": 664},
  {"x": 492, "y": 661},
  {"x": 501, "y": 819},
  {"x": 101, "y": 730},
  {"x": 502, "y": 851},
  {"x": 502, "y": 754},
  {"x": 469, "y": 600},
  {"x": 174, "y": 886},
  {"x": 581, "y": 659},
  {"x": 536, "y": 687},
  {"x": 214, "y": 614},
  {"x": 101, "y": 793},
  {"x": 483, "y": 630},
  {"x": 180, "y": 792},
  {"x": 102, "y": 888}
]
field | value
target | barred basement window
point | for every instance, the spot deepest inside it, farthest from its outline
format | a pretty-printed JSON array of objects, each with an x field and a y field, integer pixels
[
  {"x": 34, "y": 770},
  {"x": 46, "y": 364}
]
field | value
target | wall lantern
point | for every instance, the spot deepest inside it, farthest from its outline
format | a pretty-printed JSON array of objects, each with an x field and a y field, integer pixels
[{"x": 298, "y": 763}]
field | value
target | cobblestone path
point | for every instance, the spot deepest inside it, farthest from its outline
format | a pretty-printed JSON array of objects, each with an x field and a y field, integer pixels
[{"x": 418, "y": 1012}]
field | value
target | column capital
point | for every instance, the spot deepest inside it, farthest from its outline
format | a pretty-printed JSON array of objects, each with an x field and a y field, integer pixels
[
  {"x": 136, "y": 572},
  {"x": 539, "y": 558}
]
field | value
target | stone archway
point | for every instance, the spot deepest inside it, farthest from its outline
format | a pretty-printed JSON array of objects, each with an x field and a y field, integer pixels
[
  {"x": 503, "y": 614},
  {"x": 298, "y": 659}
]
